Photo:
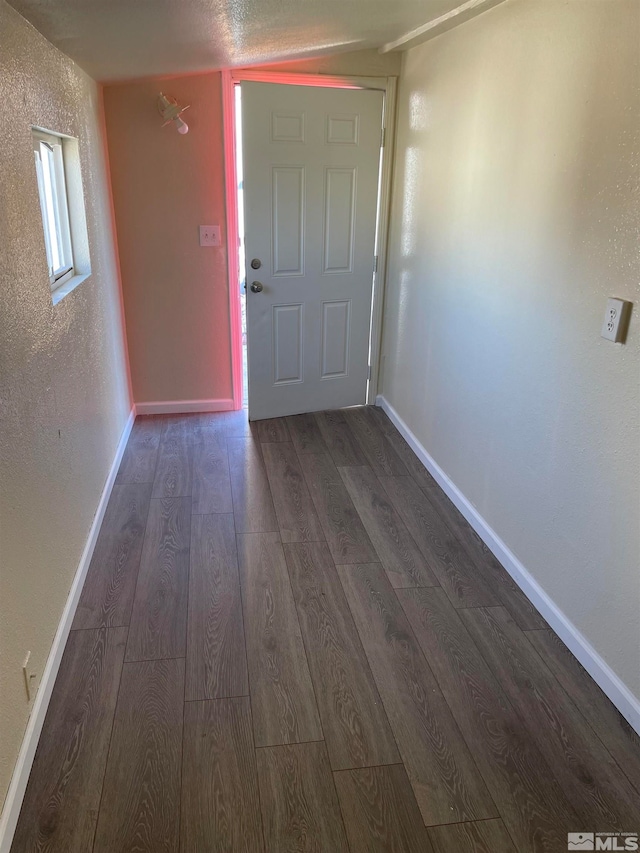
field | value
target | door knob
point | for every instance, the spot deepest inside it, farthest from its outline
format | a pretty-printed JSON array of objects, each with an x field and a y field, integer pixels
[
  {"x": 256, "y": 263},
  {"x": 256, "y": 287}
]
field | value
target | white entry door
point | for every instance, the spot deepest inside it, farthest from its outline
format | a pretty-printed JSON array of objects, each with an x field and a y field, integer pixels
[{"x": 311, "y": 162}]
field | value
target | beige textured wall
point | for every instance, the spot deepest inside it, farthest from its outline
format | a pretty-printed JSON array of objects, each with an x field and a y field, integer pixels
[
  {"x": 516, "y": 214},
  {"x": 365, "y": 63},
  {"x": 64, "y": 398},
  {"x": 165, "y": 186}
]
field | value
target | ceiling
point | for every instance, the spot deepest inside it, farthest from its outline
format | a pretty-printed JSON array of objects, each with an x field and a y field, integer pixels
[{"x": 123, "y": 39}]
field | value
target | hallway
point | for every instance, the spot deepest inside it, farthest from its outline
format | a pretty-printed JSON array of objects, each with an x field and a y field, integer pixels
[{"x": 290, "y": 640}]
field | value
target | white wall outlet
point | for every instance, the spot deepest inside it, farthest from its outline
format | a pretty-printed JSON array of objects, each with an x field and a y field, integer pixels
[
  {"x": 29, "y": 677},
  {"x": 616, "y": 319},
  {"x": 209, "y": 235}
]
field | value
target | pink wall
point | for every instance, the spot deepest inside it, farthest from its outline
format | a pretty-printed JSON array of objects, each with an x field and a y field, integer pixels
[{"x": 164, "y": 186}]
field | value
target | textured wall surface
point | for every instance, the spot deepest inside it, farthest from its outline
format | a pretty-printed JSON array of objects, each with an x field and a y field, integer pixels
[
  {"x": 164, "y": 186},
  {"x": 367, "y": 63},
  {"x": 125, "y": 41},
  {"x": 516, "y": 214},
  {"x": 64, "y": 398}
]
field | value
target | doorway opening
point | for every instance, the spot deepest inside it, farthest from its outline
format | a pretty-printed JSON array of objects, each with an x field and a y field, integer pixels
[
  {"x": 235, "y": 203},
  {"x": 242, "y": 267}
]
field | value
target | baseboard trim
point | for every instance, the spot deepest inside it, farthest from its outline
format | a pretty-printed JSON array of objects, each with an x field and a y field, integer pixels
[
  {"x": 180, "y": 407},
  {"x": 598, "y": 669},
  {"x": 18, "y": 784}
]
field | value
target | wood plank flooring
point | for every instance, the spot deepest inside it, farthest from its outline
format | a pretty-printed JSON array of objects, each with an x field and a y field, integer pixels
[
  {"x": 289, "y": 639},
  {"x": 221, "y": 783}
]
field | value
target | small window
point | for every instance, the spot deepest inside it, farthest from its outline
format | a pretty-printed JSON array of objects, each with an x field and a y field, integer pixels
[{"x": 52, "y": 188}]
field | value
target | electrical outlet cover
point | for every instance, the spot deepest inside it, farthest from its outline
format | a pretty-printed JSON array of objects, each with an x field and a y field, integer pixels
[{"x": 614, "y": 327}]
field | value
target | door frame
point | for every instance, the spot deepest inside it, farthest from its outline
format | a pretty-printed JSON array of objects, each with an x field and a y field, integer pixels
[{"x": 388, "y": 85}]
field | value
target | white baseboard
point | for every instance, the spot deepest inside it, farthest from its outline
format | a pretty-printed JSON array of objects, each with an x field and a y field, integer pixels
[
  {"x": 180, "y": 407},
  {"x": 598, "y": 669},
  {"x": 18, "y": 784}
]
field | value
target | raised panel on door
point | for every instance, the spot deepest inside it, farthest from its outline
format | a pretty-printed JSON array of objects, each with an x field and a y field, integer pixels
[
  {"x": 287, "y": 220},
  {"x": 335, "y": 338},
  {"x": 311, "y": 162},
  {"x": 287, "y": 126},
  {"x": 287, "y": 344},
  {"x": 343, "y": 129},
  {"x": 339, "y": 219}
]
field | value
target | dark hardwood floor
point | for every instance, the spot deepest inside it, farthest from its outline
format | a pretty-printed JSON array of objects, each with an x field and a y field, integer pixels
[{"x": 289, "y": 639}]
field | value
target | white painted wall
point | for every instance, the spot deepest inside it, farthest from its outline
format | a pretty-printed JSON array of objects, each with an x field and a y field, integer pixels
[
  {"x": 516, "y": 213},
  {"x": 64, "y": 397}
]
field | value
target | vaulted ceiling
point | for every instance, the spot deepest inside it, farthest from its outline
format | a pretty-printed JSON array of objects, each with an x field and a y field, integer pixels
[{"x": 121, "y": 39}]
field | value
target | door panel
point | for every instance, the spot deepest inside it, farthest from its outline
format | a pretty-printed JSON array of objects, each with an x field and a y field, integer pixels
[
  {"x": 335, "y": 338},
  {"x": 287, "y": 220},
  {"x": 287, "y": 344},
  {"x": 311, "y": 162},
  {"x": 339, "y": 220}
]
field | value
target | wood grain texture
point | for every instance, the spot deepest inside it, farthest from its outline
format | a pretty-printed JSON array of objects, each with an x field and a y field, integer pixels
[
  {"x": 380, "y": 812},
  {"x": 604, "y": 718},
  {"x": 588, "y": 775},
  {"x": 253, "y": 509},
  {"x": 282, "y": 698},
  {"x": 509, "y": 593},
  {"x": 443, "y": 775},
  {"x": 272, "y": 429},
  {"x": 159, "y": 618},
  {"x": 340, "y": 441},
  {"x": 533, "y": 807},
  {"x": 503, "y": 585},
  {"x": 140, "y": 808},
  {"x": 507, "y": 743},
  {"x": 300, "y": 811},
  {"x": 172, "y": 424},
  {"x": 305, "y": 434},
  {"x": 400, "y": 556},
  {"x": 496, "y": 577},
  {"x": 183, "y": 425},
  {"x": 355, "y": 725},
  {"x": 447, "y": 559},
  {"x": 297, "y": 517},
  {"x": 381, "y": 456},
  {"x": 174, "y": 470},
  {"x": 409, "y": 459},
  {"x": 220, "y": 799},
  {"x": 211, "y": 482},
  {"x": 110, "y": 585},
  {"x": 60, "y": 806},
  {"x": 345, "y": 534},
  {"x": 383, "y": 421},
  {"x": 209, "y": 422},
  {"x": 236, "y": 424},
  {"x": 216, "y": 656},
  {"x": 140, "y": 456},
  {"x": 483, "y": 836}
]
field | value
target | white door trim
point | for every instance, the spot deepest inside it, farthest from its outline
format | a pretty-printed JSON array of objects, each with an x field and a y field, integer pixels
[{"x": 388, "y": 85}]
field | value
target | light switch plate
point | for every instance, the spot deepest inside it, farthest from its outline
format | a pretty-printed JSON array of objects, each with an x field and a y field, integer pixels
[
  {"x": 616, "y": 320},
  {"x": 209, "y": 235}
]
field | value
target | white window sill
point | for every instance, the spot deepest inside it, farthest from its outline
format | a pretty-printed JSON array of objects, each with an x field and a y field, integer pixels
[{"x": 64, "y": 289}]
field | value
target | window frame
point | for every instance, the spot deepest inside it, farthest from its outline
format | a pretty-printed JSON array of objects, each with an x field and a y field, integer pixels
[{"x": 54, "y": 206}]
